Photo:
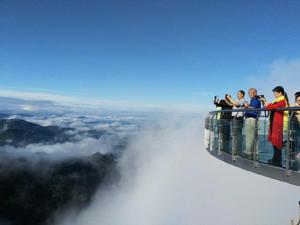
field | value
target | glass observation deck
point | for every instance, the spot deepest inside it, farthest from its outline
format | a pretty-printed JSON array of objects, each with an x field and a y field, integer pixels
[{"x": 243, "y": 141}]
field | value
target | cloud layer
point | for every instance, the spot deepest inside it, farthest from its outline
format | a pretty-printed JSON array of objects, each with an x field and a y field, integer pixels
[
  {"x": 169, "y": 179},
  {"x": 90, "y": 134}
]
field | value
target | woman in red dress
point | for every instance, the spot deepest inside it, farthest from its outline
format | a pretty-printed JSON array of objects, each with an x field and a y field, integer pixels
[{"x": 277, "y": 123}]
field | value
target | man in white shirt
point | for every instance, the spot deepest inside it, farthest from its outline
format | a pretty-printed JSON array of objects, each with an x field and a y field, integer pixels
[{"x": 237, "y": 122}]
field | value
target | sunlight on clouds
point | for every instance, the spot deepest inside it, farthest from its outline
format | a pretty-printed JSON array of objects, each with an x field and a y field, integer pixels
[{"x": 30, "y": 108}]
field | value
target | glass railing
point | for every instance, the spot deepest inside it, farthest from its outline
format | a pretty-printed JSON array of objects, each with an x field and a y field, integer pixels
[{"x": 248, "y": 136}]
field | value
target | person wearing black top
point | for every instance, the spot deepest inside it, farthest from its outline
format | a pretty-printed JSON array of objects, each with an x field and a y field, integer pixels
[
  {"x": 295, "y": 133},
  {"x": 225, "y": 122}
]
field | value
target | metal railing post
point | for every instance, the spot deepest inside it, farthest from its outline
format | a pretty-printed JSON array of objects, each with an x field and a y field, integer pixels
[
  {"x": 255, "y": 149},
  {"x": 234, "y": 143},
  {"x": 220, "y": 139},
  {"x": 211, "y": 132},
  {"x": 216, "y": 143},
  {"x": 288, "y": 148}
]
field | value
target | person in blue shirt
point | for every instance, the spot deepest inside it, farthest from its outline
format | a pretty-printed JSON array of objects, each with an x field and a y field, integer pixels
[
  {"x": 255, "y": 103},
  {"x": 250, "y": 121}
]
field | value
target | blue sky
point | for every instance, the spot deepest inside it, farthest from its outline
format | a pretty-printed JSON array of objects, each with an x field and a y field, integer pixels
[{"x": 158, "y": 51}]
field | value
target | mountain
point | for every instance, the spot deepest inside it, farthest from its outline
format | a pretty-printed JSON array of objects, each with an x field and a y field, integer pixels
[
  {"x": 19, "y": 133},
  {"x": 31, "y": 193},
  {"x": 35, "y": 187}
]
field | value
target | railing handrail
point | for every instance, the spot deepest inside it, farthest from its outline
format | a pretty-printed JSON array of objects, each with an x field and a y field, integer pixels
[
  {"x": 218, "y": 143},
  {"x": 256, "y": 110}
]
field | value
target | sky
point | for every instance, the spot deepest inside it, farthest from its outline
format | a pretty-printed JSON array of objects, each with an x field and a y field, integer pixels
[{"x": 159, "y": 52}]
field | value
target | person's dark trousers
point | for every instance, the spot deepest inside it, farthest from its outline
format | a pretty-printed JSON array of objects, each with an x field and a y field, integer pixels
[
  {"x": 296, "y": 138},
  {"x": 277, "y": 156},
  {"x": 225, "y": 128},
  {"x": 296, "y": 148},
  {"x": 237, "y": 134},
  {"x": 295, "y": 143}
]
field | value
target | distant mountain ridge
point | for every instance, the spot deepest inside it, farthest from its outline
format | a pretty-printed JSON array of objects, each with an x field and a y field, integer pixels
[
  {"x": 36, "y": 185},
  {"x": 19, "y": 133}
]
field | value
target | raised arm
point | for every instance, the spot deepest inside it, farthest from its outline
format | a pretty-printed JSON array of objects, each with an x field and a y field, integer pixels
[
  {"x": 222, "y": 103},
  {"x": 234, "y": 103},
  {"x": 276, "y": 105}
]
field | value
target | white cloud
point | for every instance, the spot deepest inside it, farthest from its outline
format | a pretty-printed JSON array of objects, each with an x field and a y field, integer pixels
[
  {"x": 30, "y": 107},
  {"x": 169, "y": 179},
  {"x": 85, "y": 147},
  {"x": 89, "y": 134}
]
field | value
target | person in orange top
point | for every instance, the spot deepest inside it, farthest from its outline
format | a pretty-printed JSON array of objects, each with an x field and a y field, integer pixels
[{"x": 276, "y": 127}]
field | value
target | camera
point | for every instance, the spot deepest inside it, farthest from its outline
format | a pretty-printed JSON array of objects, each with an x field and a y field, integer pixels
[
  {"x": 260, "y": 96},
  {"x": 216, "y": 99},
  {"x": 227, "y": 96}
]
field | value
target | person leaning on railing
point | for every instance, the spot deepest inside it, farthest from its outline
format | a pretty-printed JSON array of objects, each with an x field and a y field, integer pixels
[
  {"x": 295, "y": 133},
  {"x": 278, "y": 119},
  {"x": 250, "y": 124},
  {"x": 224, "y": 121},
  {"x": 297, "y": 104},
  {"x": 237, "y": 121}
]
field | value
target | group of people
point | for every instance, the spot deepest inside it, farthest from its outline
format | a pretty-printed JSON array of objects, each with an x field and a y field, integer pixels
[{"x": 233, "y": 121}]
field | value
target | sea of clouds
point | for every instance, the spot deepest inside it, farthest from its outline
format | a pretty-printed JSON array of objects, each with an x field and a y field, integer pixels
[
  {"x": 168, "y": 178},
  {"x": 92, "y": 133}
]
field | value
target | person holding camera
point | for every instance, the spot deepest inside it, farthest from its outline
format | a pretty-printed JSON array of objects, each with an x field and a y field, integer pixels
[
  {"x": 224, "y": 121},
  {"x": 278, "y": 119},
  {"x": 297, "y": 104},
  {"x": 237, "y": 122},
  {"x": 250, "y": 123}
]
